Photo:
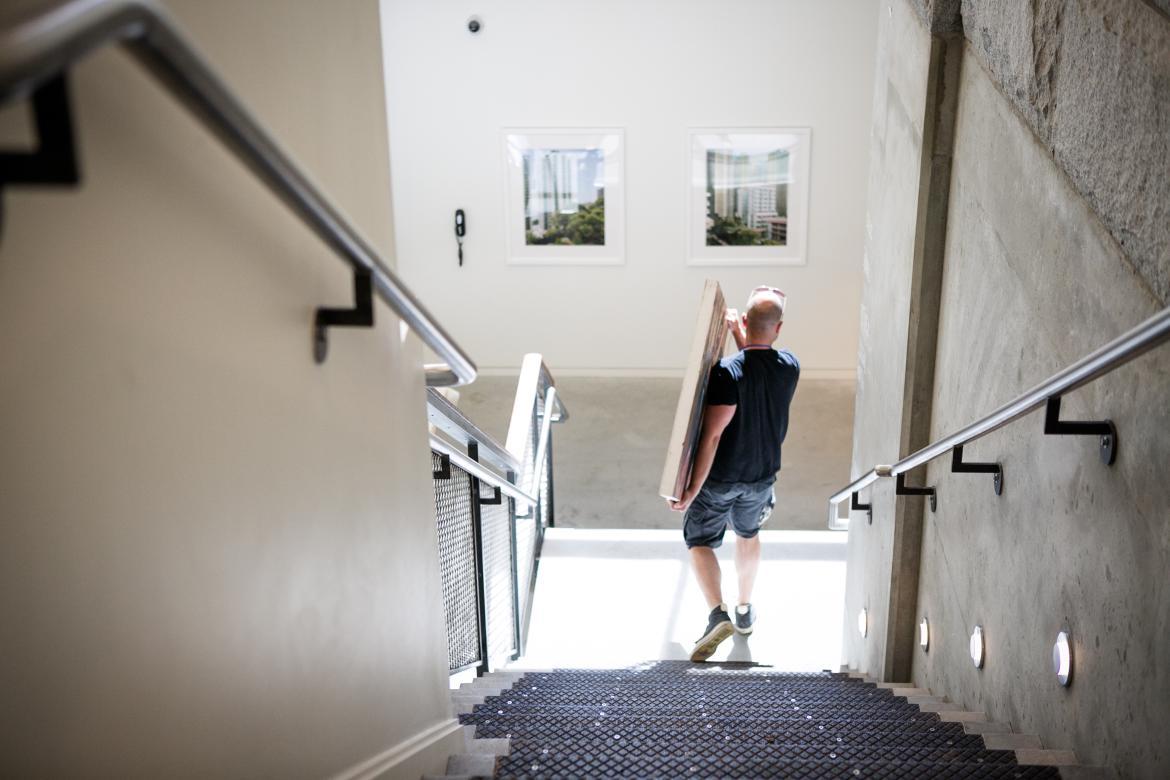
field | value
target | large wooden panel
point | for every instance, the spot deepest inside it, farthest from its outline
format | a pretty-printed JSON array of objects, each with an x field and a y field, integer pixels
[{"x": 707, "y": 346}]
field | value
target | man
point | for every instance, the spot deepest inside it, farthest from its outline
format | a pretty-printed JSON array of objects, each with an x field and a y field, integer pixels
[{"x": 736, "y": 460}]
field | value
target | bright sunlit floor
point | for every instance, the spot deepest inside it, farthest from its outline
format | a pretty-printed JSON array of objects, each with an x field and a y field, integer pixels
[{"x": 610, "y": 598}]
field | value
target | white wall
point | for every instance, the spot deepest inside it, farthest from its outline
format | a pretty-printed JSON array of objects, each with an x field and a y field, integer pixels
[
  {"x": 654, "y": 68},
  {"x": 216, "y": 557}
]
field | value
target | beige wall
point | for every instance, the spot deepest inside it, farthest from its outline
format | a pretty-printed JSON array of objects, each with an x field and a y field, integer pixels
[
  {"x": 654, "y": 68},
  {"x": 216, "y": 557}
]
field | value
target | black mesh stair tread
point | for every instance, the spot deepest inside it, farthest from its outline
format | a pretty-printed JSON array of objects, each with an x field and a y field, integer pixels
[
  {"x": 922, "y": 722},
  {"x": 706, "y": 695},
  {"x": 974, "y": 752},
  {"x": 678, "y": 719},
  {"x": 878, "y": 739},
  {"x": 781, "y": 710},
  {"x": 597, "y": 766}
]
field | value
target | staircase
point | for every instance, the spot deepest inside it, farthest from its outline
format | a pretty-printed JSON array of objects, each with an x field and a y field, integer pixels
[{"x": 729, "y": 720}]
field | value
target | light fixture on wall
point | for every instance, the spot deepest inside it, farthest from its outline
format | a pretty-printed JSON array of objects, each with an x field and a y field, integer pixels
[
  {"x": 1062, "y": 658},
  {"x": 977, "y": 647},
  {"x": 924, "y": 635},
  {"x": 862, "y": 622},
  {"x": 474, "y": 25}
]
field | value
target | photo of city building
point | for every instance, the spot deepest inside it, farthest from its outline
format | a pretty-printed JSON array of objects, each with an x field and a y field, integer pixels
[
  {"x": 747, "y": 197},
  {"x": 564, "y": 196}
]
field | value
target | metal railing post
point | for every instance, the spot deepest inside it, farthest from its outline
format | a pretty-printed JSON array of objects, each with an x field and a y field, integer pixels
[
  {"x": 549, "y": 466},
  {"x": 480, "y": 582},
  {"x": 517, "y": 617}
]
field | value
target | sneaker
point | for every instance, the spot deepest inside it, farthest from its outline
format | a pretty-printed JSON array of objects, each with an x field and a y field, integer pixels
[
  {"x": 718, "y": 628},
  {"x": 745, "y": 618}
]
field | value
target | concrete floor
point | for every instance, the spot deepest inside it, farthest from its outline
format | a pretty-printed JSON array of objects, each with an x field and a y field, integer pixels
[
  {"x": 611, "y": 598},
  {"x": 609, "y": 454}
]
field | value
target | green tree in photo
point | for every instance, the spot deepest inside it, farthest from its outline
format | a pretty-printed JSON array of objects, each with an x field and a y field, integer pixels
[
  {"x": 731, "y": 231},
  {"x": 584, "y": 228}
]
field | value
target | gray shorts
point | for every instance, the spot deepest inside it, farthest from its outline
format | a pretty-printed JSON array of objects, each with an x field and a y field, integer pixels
[{"x": 742, "y": 505}]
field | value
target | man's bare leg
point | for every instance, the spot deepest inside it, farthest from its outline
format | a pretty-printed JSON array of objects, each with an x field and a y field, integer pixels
[
  {"x": 719, "y": 625},
  {"x": 747, "y": 563},
  {"x": 706, "y": 568}
]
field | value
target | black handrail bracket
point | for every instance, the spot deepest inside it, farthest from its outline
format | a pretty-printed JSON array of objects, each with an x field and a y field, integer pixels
[
  {"x": 360, "y": 316},
  {"x": 960, "y": 466},
  {"x": 53, "y": 160},
  {"x": 901, "y": 490},
  {"x": 1054, "y": 426},
  {"x": 855, "y": 505}
]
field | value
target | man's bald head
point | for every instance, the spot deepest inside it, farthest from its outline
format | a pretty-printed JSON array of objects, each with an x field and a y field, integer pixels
[{"x": 764, "y": 314}]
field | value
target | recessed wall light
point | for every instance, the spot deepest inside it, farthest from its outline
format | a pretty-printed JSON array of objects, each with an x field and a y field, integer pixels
[
  {"x": 1062, "y": 658},
  {"x": 924, "y": 635},
  {"x": 862, "y": 622},
  {"x": 977, "y": 647}
]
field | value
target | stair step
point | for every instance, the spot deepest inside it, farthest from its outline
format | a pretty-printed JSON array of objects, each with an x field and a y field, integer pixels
[
  {"x": 696, "y": 720},
  {"x": 1088, "y": 773},
  {"x": 961, "y": 716},
  {"x": 474, "y": 764},
  {"x": 1011, "y": 741},
  {"x": 677, "y": 719},
  {"x": 986, "y": 727},
  {"x": 752, "y": 767},
  {"x": 481, "y": 690},
  {"x": 537, "y": 749},
  {"x": 786, "y": 711},
  {"x": 845, "y": 732},
  {"x": 738, "y": 695},
  {"x": 1040, "y": 757},
  {"x": 491, "y": 746}
]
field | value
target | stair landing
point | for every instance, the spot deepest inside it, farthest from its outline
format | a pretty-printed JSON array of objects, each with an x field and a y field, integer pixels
[{"x": 613, "y": 598}]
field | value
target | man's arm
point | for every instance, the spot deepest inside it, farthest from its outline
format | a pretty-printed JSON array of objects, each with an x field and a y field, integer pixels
[
  {"x": 737, "y": 326},
  {"x": 715, "y": 420}
]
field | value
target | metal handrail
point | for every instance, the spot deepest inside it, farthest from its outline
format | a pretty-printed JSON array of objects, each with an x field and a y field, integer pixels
[
  {"x": 550, "y": 397},
  {"x": 41, "y": 45},
  {"x": 534, "y": 374},
  {"x": 449, "y": 419},
  {"x": 481, "y": 472},
  {"x": 1138, "y": 340}
]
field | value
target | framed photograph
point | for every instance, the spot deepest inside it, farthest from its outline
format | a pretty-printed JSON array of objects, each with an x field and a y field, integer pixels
[
  {"x": 748, "y": 202},
  {"x": 565, "y": 200}
]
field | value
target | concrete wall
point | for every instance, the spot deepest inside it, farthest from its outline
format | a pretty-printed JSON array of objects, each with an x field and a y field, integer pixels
[
  {"x": 1092, "y": 80},
  {"x": 1033, "y": 282},
  {"x": 1043, "y": 263},
  {"x": 896, "y": 147},
  {"x": 216, "y": 558},
  {"x": 654, "y": 68}
]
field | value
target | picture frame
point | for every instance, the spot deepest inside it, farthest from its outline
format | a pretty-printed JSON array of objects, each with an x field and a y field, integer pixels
[
  {"x": 747, "y": 196},
  {"x": 565, "y": 196},
  {"x": 710, "y": 341}
]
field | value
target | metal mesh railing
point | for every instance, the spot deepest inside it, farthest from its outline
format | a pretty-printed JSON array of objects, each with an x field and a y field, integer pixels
[
  {"x": 545, "y": 496},
  {"x": 489, "y": 551},
  {"x": 526, "y": 538},
  {"x": 457, "y": 564},
  {"x": 497, "y": 564}
]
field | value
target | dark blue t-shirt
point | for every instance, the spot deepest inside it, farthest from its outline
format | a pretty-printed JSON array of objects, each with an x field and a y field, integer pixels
[{"x": 760, "y": 383}]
